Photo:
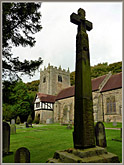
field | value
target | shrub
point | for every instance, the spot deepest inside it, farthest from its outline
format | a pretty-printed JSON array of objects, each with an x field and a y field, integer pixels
[
  {"x": 36, "y": 120},
  {"x": 18, "y": 121},
  {"x": 29, "y": 120}
]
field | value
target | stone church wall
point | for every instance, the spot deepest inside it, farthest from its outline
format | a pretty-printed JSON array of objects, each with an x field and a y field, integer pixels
[
  {"x": 53, "y": 80},
  {"x": 44, "y": 115},
  {"x": 64, "y": 110},
  {"x": 117, "y": 94}
]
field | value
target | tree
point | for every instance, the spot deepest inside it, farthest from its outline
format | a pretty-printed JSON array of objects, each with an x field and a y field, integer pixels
[
  {"x": 18, "y": 121},
  {"x": 115, "y": 67},
  {"x": 29, "y": 120},
  {"x": 36, "y": 120},
  {"x": 19, "y": 22},
  {"x": 72, "y": 78},
  {"x": 33, "y": 86},
  {"x": 19, "y": 102},
  {"x": 100, "y": 70}
]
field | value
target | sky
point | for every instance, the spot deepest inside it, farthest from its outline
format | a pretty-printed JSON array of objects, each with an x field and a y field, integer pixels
[{"x": 56, "y": 42}]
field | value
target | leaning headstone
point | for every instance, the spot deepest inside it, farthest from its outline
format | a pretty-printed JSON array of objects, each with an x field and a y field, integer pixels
[
  {"x": 22, "y": 155},
  {"x": 6, "y": 138},
  {"x": 100, "y": 135}
]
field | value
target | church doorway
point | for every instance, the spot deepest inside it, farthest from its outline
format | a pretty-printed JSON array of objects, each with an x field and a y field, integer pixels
[{"x": 39, "y": 117}]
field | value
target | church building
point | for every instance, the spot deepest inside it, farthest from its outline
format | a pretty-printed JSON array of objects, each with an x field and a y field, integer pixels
[{"x": 55, "y": 99}]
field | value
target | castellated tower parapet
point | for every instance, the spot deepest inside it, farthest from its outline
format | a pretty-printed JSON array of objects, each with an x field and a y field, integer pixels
[{"x": 53, "y": 80}]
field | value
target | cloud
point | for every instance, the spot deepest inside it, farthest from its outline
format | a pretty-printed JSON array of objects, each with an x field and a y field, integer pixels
[{"x": 56, "y": 43}]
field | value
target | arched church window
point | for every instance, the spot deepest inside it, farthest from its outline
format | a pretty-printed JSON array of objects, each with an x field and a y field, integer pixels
[
  {"x": 44, "y": 79},
  {"x": 111, "y": 105},
  {"x": 59, "y": 78}
]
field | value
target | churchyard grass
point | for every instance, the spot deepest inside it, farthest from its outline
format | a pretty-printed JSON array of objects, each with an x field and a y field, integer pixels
[
  {"x": 110, "y": 125},
  {"x": 43, "y": 140}
]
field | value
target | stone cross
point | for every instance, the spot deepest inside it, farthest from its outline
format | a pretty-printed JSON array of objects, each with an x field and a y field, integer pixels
[
  {"x": 83, "y": 135},
  {"x": 79, "y": 19}
]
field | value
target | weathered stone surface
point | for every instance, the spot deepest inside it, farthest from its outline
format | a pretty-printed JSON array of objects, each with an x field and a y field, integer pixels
[
  {"x": 91, "y": 155},
  {"x": 22, "y": 155},
  {"x": 13, "y": 121},
  {"x": 100, "y": 134},
  {"x": 52, "y": 86},
  {"x": 6, "y": 138},
  {"x": 120, "y": 132},
  {"x": 83, "y": 135},
  {"x": 12, "y": 129},
  {"x": 114, "y": 122},
  {"x": 49, "y": 121}
]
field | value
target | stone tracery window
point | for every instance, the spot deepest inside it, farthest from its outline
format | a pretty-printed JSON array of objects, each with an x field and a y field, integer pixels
[{"x": 111, "y": 105}]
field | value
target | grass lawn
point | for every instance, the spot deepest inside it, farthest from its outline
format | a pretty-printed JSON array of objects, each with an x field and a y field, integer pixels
[{"x": 43, "y": 140}]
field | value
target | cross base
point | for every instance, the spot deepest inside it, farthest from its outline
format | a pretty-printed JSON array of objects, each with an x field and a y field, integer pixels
[{"x": 91, "y": 155}]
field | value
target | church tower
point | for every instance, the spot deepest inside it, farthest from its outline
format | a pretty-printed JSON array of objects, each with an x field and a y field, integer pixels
[{"x": 53, "y": 80}]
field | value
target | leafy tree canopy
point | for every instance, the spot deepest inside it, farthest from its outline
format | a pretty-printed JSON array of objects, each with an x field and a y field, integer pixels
[
  {"x": 17, "y": 101},
  {"x": 100, "y": 70},
  {"x": 19, "y": 22},
  {"x": 33, "y": 86}
]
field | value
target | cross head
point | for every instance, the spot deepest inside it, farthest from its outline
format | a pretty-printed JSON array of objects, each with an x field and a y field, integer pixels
[{"x": 79, "y": 19}]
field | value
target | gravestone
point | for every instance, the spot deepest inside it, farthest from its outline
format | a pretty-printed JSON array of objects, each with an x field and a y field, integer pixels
[
  {"x": 100, "y": 135},
  {"x": 120, "y": 132},
  {"x": 22, "y": 155},
  {"x": 114, "y": 122},
  {"x": 12, "y": 127},
  {"x": 13, "y": 121},
  {"x": 84, "y": 150},
  {"x": 49, "y": 121},
  {"x": 8, "y": 122},
  {"x": 108, "y": 120},
  {"x": 69, "y": 126},
  {"x": 6, "y": 138},
  {"x": 27, "y": 125}
]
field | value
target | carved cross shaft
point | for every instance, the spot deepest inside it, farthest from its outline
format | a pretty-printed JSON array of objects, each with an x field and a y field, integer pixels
[
  {"x": 83, "y": 134},
  {"x": 79, "y": 19}
]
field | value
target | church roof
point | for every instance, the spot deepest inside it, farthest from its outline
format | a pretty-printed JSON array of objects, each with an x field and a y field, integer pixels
[
  {"x": 114, "y": 82},
  {"x": 67, "y": 92},
  {"x": 46, "y": 98},
  {"x": 96, "y": 82}
]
